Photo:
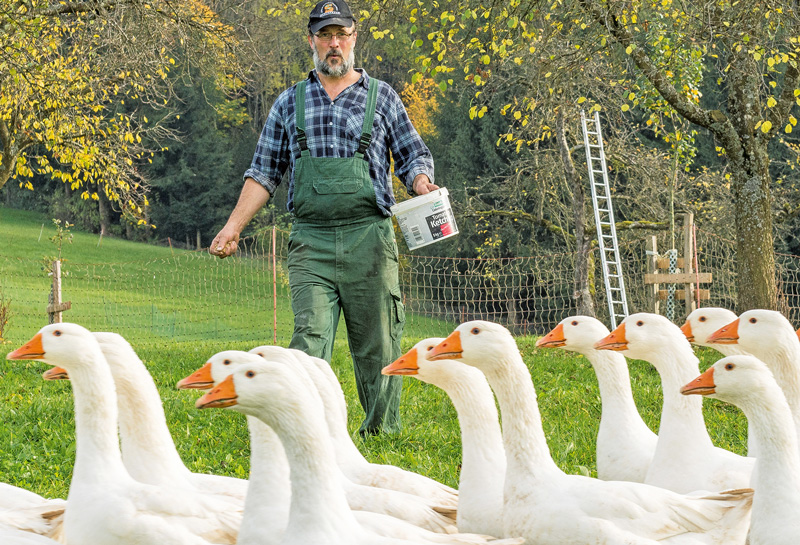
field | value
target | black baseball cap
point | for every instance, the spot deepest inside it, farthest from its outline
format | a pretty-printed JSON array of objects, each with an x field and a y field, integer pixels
[{"x": 330, "y": 12}]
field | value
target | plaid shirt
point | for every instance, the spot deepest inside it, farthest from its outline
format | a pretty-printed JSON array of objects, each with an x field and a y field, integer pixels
[{"x": 333, "y": 129}]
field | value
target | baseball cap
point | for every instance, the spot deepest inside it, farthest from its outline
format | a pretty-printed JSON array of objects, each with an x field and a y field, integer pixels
[{"x": 330, "y": 12}]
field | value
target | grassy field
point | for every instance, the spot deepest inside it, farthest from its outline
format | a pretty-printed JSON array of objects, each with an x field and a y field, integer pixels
[{"x": 37, "y": 442}]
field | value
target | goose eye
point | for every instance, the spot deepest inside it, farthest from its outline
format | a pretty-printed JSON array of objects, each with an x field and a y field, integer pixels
[
  {"x": 57, "y": 333},
  {"x": 753, "y": 320},
  {"x": 250, "y": 374},
  {"x": 574, "y": 322},
  {"x": 226, "y": 362},
  {"x": 475, "y": 330},
  {"x": 702, "y": 319},
  {"x": 729, "y": 366},
  {"x": 640, "y": 323},
  {"x": 429, "y": 348}
]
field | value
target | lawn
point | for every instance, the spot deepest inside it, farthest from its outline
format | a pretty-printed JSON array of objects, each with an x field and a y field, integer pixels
[{"x": 37, "y": 427}]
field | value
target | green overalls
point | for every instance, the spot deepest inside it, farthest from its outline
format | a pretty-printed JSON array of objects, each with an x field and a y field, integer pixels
[{"x": 343, "y": 258}]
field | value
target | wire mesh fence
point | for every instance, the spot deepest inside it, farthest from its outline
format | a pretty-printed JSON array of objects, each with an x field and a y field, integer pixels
[{"x": 191, "y": 296}]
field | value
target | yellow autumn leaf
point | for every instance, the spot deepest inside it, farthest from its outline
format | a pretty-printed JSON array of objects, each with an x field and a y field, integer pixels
[{"x": 766, "y": 126}]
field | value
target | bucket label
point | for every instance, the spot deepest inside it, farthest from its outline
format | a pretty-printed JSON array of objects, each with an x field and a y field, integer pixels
[{"x": 440, "y": 224}]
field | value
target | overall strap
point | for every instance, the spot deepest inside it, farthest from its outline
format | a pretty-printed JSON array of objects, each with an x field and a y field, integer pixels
[
  {"x": 369, "y": 117},
  {"x": 300, "y": 117}
]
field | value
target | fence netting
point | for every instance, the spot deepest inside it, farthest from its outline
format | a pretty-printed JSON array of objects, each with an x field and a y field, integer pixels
[{"x": 192, "y": 296}]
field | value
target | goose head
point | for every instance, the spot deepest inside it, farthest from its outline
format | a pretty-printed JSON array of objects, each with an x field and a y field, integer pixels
[
  {"x": 641, "y": 335},
  {"x": 415, "y": 362},
  {"x": 216, "y": 369},
  {"x": 702, "y": 322},
  {"x": 740, "y": 380},
  {"x": 257, "y": 387},
  {"x": 66, "y": 345},
  {"x": 757, "y": 331},
  {"x": 478, "y": 343},
  {"x": 575, "y": 333}
]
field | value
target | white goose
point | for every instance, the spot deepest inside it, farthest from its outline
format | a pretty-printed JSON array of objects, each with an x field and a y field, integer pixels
[
  {"x": 770, "y": 337},
  {"x": 319, "y": 513},
  {"x": 625, "y": 445},
  {"x": 413, "y": 509},
  {"x": 545, "y": 505},
  {"x": 266, "y": 507},
  {"x": 15, "y": 536},
  {"x": 349, "y": 458},
  {"x": 685, "y": 459},
  {"x": 483, "y": 460},
  {"x": 148, "y": 451},
  {"x": 21, "y": 509},
  {"x": 746, "y": 382},
  {"x": 702, "y": 322},
  {"x": 106, "y": 505}
]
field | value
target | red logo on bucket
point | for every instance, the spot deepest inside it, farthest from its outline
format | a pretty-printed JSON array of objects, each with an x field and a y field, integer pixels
[{"x": 447, "y": 229}]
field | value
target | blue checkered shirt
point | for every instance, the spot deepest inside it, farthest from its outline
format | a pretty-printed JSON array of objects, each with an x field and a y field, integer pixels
[{"x": 333, "y": 129}]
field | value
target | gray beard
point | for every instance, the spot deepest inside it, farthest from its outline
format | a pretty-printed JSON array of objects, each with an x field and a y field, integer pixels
[{"x": 339, "y": 71}]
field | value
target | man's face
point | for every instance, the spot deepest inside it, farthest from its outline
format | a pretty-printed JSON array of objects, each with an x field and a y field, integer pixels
[{"x": 333, "y": 47}]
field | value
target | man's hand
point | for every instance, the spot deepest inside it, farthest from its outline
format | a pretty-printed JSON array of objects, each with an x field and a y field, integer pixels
[
  {"x": 422, "y": 184},
  {"x": 225, "y": 243}
]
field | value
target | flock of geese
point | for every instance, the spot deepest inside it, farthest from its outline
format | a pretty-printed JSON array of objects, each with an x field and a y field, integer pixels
[{"x": 310, "y": 485}]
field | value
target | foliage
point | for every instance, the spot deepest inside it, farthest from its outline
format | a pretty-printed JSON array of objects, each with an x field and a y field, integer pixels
[
  {"x": 62, "y": 235},
  {"x": 66, "y": 72}
]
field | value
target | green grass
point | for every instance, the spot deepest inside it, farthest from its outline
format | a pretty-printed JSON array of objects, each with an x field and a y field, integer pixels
[{"x": 37, "y": 442}]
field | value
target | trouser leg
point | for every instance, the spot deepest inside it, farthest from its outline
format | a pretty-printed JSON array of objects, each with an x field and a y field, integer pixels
[
  {"x": 374, "y": 316},
  {"x": 315, "y": 300}
]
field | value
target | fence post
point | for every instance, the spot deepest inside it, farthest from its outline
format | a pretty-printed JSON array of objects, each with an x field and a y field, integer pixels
[
  {"x": 274, "y": 288},
  {"x": 688, "y": 259},
  {"x": 56, "y": 307},
  {"x": 651, "y": 252}
]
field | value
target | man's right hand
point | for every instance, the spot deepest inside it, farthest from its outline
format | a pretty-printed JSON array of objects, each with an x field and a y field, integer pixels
[{"x": 224, "y": 244}]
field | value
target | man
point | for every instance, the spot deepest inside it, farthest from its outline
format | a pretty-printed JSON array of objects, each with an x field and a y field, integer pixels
[{"x": 335, "y": 132}]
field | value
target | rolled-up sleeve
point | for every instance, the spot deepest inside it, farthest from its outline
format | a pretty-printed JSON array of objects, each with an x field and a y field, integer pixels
[
  {"x": 411, "y": 155},
  {"x": 272, "y": 155}
]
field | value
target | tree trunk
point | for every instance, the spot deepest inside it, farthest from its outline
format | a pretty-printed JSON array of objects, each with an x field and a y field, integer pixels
[
  {"x": 755, "y": 255},
  {"x": 102, "y": 208},
  {"x": 582, "y": 294}
]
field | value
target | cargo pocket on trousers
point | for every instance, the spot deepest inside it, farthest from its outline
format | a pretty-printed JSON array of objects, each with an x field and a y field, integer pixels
[{"x": 398, "y": 314}]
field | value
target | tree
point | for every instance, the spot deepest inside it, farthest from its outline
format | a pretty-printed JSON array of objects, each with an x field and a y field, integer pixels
[
  {"x": 73, "y": 77},
  {"x": 749, "y": 49}
]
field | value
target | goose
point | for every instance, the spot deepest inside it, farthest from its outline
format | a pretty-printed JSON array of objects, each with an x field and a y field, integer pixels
[
  {"x": 21, "y": 509},
  {"x": 483, "y": 465},
  {"x": 283, "y": 399},
  {"x": 413, "y": 509},
  {"x": 15, "y": 536},
  {"x": 547, "y": 506},
  {"x": 349, "y": 458},
  {"x": 746, "y": 382},
  {"x": 106, "y": 505},
  {"x": 685, "y": 459},
  {"x": 625, "y": 445},
  {"x": 768, "y": 335},
  {"x": 266, "y": 507},
  {"x": 148, "y": 451},
  {"x": 702, "y": 322}
]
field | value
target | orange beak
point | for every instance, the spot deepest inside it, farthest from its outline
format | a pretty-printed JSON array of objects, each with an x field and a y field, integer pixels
[
  {"x": 613, "y": 341},
  {"x": 554, "y": 339},
  {"x": 199, "y": 380},
  {"x": 404, "y": 365},
  {"x": 686, "y": 328},
  {"x": 55, "y": 373},
  {"x": 702, "y": 385},
  {"x": 448, "y": 349},
  {"x": 224, "y": 395},
  {"x": 725, "y": 335},
  {"x": 31, "y": 350},
  {"x": 798, "y": 333}
]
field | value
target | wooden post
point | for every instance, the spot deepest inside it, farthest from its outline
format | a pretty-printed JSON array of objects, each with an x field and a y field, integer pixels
[
  {"x": 652, "y": 268},
  {"x": 56, "y": 307},
  {"x": 688, "y": 260}
]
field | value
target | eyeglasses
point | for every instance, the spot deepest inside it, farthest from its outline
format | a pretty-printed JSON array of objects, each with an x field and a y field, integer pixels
[{"x": 326, "y": 37}]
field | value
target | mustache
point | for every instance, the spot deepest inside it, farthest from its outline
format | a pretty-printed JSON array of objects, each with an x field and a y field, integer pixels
[{"x": 333, "y": 52}]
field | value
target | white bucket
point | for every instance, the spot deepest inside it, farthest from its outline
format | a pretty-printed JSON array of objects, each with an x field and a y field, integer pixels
[{"x": 425, "y": 219}]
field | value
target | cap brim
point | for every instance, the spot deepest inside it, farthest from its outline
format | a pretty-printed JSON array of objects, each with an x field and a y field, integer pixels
[{"x": 315, "y": 26}]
